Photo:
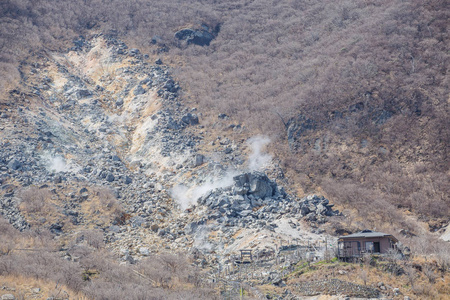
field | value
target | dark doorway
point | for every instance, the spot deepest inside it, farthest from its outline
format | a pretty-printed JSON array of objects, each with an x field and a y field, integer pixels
[{"x": 376, "y": 247}]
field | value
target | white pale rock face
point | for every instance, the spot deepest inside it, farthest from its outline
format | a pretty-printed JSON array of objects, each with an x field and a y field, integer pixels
[
  {"x": 144, "y": 251},
  {"x": 446, "y": 235}
]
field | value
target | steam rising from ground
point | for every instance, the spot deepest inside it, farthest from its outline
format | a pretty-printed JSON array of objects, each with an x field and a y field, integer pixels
[
  {"x": 201, "y": 241},
  {"x": 257, "y": 159},
  {"x": 187, "y": 196},
  {"x": 54, "y": 163}
]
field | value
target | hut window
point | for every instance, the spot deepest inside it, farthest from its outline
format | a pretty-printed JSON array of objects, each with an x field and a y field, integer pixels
[{"x": 369, "y": 246}]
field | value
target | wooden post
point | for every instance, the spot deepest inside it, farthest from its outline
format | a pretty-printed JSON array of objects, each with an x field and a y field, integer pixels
[
  {"x": 241, "y": 292},
  {"x": 254, "y": 270},
  {"x": 338, "y": 252}
]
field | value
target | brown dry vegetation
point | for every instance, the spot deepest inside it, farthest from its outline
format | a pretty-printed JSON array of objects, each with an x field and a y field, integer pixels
[
  {"x": 28, "y": 258},
  {"x": 370, "y": 76},
  {"x": 47, "y": 205},
  {"x": 417, "y": 278}
]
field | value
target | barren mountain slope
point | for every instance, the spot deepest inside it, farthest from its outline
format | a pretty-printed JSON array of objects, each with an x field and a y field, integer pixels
[{"x": 274, "y": 127}]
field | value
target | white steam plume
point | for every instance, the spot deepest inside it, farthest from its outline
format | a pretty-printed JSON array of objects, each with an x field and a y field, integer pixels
[
  {"x": 257, "y": 159},
  {"x": 54, "y": 163},
  {"x": 201, "y": 241},
  {"x": 186, "y": 196}
]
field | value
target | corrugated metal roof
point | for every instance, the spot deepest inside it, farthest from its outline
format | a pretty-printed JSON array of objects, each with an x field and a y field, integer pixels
[{"x": 366, "y": 234}]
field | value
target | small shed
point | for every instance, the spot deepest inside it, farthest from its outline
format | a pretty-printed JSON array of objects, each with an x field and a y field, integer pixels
[
  {"x": 367, "y": 241},
  {"x": 246, "y": 257}
]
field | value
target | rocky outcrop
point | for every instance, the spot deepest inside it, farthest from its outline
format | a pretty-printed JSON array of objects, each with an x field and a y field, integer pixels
[
  {"x": 256, "y": 185},
  {"x": 9, "y": 209},
  {"x": 201, "y": 37},
  {"x": 132, "y": 135},
  {"x": 254, "y": 200},
  {"x": 80, "y": 118},
  {"x": 336, "y": 287},
  {"x": 315, "y": 208}
]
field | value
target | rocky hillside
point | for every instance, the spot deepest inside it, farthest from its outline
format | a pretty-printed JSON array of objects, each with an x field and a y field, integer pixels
[
  {"x": 353, "y": 95},
  {"x": 97, "y": 138},
  {"x": 99, "y": 148},
  {"x": 153, "y": 142}
]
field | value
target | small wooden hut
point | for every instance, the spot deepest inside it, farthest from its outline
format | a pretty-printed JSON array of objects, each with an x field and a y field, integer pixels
[{"x": 367, "y": 241}]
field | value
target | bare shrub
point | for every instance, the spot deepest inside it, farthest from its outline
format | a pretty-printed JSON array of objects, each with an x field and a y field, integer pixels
[
  {"x": 34, "y": 199},
  {"x": 430, "y": 274},
  {"x": 364, "y": 275},
  {"x": 160, "y": 277},
  {"x": 93, "y": 238},
  {"x": 7, "y": 235},
  {"x": 107, "y": 198},
  {"x": 411, "y": 275},
  {"x": 6, "y": 265},
  {"x": 393, "y": 258},
  {"x": 92, "y": 271},
  {"x": 443, "y": 256},
  {"x": 109, "y": 203},
  {"x": 173, "y": 263},
  {"x": 424, "y": 290}
]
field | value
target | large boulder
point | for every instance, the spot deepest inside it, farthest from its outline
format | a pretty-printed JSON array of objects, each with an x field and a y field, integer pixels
[
  {"x": 190, "y": 119},
  {"x": 201, "y": 37},
  {"x": 256, "y": 184},
  {"x": 14, "y": 164},
  {"x": 139, "y": 90}
]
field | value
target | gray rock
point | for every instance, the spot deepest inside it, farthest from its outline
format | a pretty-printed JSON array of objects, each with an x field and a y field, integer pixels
[
  {"x": 134, "y": 51},
  {"x": 110, "y": 177},
  {"x": 190, "y": 119},
  {"x": 14, "y": 164},
  {"x": 256, "y": 184},
  {"x": 197, "y": 37},
  {"x": 119, "y": 102},
  {"x": 56, "y": 228},
  {"x": 128, "y": 180},
  {"x": 154, "y": 227},
  {"x": 199, "y": 159},
  {"x": 305, "y": 210},
  {"x": 245, "y": 213},
  {"x": 260, "y": 185},
  {"x": 144, "y": 251},
  {"x": 137, "y": 221},
  {"x": 114, "y": 228},
  {"x": 57, "y": 179},
  {"x": 83, "y": 93},
  {"x": 129, "y": 259},
  {"x": 8, "y": 297},
  {"x": 139, "y": 90}
]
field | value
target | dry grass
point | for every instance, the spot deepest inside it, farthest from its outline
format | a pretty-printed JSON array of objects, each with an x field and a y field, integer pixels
[
  {"x": 26, "y": 288},
  {"x": 39, "y": 206},
  {"x": 414, "y": 281},
  {"x": 42, "y": 208},
  {"x": 102, "y": 207}
]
